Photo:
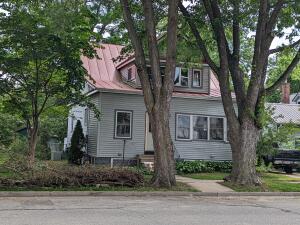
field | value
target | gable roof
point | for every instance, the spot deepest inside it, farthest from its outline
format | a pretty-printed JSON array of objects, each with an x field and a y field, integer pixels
[
  {"x": 285, "y": 113},
  {"x": 104, "y": 75}
]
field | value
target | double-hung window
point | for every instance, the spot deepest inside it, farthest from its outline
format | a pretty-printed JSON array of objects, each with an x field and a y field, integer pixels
[
  {"x": 181, "y": 77},
  {"x": 129, "y": 73},
  {"x": 123, "y": 124},
  {"x": 216, "y": 128},
  {"x": 199, "y": 127},
  {"x": 197, "y": 78},
  {"x": 183, "y": 127}
]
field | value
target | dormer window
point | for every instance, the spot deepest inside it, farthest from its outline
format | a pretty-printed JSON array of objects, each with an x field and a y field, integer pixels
[
  {"x": 181, "y": 77},
  {"x": 197, "y": 78},
  {"x": 129, "y": 74}
]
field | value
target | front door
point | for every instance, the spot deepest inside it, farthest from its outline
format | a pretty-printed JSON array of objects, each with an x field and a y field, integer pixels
[{"x": 148, "y": 136}]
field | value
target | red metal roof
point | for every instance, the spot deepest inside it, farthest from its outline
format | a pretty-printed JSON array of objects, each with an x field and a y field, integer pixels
[{"x": 104, "y": 74}]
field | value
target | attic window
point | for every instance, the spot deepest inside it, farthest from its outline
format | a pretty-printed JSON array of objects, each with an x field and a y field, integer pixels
[
  {"x": 197, "y": 78},
  {"x": 129, "y": 74},
  {"x": 162, "y": 71},
  {"x": 181, "y": 77}
]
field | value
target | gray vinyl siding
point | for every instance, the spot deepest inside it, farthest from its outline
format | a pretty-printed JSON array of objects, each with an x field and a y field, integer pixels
[
  {"x": 189, "y": 150},
  {"x": 111, "y": 147},
  {"x": 205, "y": 79},
  {"x": 192, "y": 149},
  {"x": 205, "y": 70},
  {"x": 93, "y": 130}
]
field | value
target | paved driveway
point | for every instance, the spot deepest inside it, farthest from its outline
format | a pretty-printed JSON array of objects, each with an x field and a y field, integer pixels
[{"x": 149, "y": 210}]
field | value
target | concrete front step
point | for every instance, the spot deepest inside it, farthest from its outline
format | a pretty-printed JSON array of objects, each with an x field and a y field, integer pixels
[{"x": 146, "y": 158}]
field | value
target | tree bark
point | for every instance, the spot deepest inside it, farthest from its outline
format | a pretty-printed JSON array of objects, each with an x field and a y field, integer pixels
[
  {"x": 157, "y": 91},
  {"x": 245, "y": 124},
  {"x": 32, "y": 141},
  {"x": 243, "y": 143},
  {"x": 164, "y": 164}
]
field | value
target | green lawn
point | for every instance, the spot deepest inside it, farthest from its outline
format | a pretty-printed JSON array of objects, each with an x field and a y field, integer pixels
[
  {"x": 272, "y": 182},
  {"x": 207, "y": 176}
]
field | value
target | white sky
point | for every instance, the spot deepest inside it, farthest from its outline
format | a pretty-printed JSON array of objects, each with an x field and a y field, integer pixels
[{"x": 276, "y": 42}]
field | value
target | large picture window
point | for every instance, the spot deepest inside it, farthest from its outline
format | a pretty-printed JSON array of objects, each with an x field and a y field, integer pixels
[
  {"x": 181, "y": 77},
  {"x": 123, "y": 124},
  {"x": 198, "y": 127}
]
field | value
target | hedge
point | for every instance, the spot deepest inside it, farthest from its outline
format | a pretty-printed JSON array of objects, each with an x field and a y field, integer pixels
[{"x": 203, "y": 166}]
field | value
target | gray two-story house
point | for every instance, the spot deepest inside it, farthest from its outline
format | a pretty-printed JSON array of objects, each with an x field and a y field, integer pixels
[{"x": 197, "y": 120}]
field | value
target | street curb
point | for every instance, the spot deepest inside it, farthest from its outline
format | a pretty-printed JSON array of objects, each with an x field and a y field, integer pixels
[{"x": 144, "y": 194}]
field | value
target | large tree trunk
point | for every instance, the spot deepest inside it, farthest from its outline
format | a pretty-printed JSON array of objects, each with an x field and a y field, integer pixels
[
  {"x": 157, "y": 90},
  {"x": 32, "y": 142},
  {"x": 243, "y": 143},
  {"x": 164, "y": 168}
]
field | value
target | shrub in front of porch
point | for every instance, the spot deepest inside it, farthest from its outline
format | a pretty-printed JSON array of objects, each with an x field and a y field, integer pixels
[{"x": 199, "y": 166}]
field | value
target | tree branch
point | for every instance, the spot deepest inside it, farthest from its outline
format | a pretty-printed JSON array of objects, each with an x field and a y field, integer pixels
[
  {"x": 234, "y": 65},
  {"x": 259, "y": 56},
  {"x": 282, "y": 48},
  {"x": 153, "y": 48},
  {"x": 199, "y": 40},
  {"x": 236, "y": 31},
  {"x": 139, "y": 53},
  {"x": 171, "y": 48},
  {"x": 274, "y": 15},
  {"x": 285, "y": 75},
  {"x": 222, "y": 72}
]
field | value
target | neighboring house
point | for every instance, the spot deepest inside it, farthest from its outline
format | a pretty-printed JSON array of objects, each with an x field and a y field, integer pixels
[
  {"x": 75, "y": 114},
  {"x": 288, "y": 111},
  {"x": 197, "y": 120}
]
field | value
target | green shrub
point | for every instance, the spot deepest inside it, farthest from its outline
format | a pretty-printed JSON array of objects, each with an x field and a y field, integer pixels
[
  {"x": 263, "y": 168},
  {"x": 142, "y": 169},
  {"x": 19, "y": 146},
  {"x": 198, "y": 166},
  {"x": 75, "y": 152}
]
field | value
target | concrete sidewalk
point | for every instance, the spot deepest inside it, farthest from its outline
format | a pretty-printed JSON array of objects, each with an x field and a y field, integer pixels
[
  {"x": 205, "y": 185},
  {"x": 294, "y": 175}
]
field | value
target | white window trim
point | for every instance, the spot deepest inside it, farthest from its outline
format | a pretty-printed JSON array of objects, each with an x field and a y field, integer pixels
[
  {"x": 188, "y": 77},
  {"x": 86, "y": 116},
  {"x": 115, "y": 128},
  {"x": 208, "y": 128},
  {"x": 201, "y": 75}
]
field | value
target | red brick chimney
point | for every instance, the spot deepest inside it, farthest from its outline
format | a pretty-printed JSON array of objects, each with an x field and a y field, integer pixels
[{"x": 285, "y": 92}]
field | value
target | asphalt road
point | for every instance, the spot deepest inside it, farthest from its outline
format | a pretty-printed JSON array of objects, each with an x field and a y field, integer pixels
[{"x": 149, "y": 210}]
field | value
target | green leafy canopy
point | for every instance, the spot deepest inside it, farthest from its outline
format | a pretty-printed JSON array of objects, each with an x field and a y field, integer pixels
[{"x": 41, "y": 44}]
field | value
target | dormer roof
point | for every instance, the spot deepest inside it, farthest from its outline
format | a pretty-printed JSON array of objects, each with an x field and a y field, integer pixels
[{"x": 103, "y": 73}]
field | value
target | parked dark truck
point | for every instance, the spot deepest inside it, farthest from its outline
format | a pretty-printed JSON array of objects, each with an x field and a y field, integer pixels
[{"x": 287, "y": 160}]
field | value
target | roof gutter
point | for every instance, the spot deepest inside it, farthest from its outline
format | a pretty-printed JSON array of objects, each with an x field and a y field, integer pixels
[{"x": 139, "y": 92}]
